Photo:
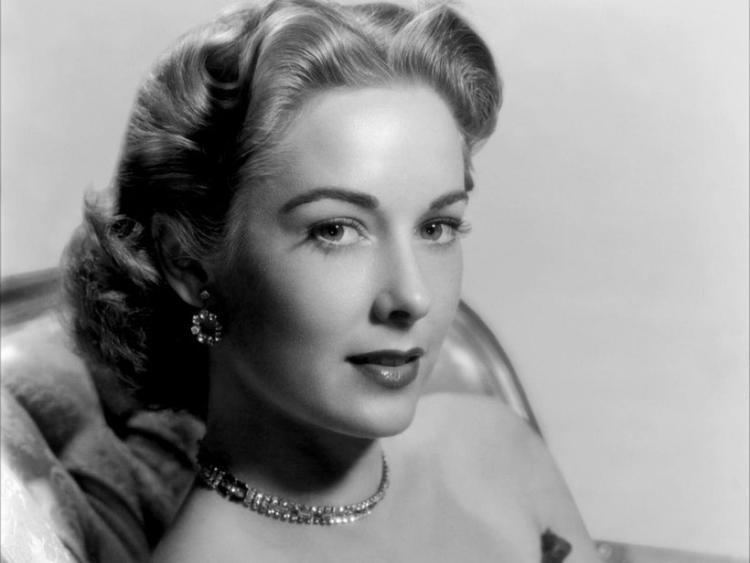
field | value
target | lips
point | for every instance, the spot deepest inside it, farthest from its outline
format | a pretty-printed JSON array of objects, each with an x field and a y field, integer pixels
[
  {"x": 392, "y": 369},
  {"x": 387, "y": 357}
]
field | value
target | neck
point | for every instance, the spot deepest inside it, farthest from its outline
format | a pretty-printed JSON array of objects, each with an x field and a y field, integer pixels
[{"x": 286, "y": 457}]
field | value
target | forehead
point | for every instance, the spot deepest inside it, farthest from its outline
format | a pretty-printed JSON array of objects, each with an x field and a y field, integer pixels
[{"x": 379, "y": 140}]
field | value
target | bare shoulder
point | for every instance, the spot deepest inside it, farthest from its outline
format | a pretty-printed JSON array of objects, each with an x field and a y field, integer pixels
[
  {"x": 472, "y": 421},
  {"x": 475, "y": 434},
  {"x": 486, "y": 445},
  {"x": 484, "y": 426}
]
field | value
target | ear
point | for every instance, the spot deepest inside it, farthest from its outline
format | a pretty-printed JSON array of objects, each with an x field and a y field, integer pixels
[{"x": 185, "y": 274}]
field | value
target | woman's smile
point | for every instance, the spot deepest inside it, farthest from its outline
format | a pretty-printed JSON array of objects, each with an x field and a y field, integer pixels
[{"x": 345, "y": 277}]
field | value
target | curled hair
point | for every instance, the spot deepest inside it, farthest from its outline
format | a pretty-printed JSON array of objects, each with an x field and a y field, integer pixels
[{"x": 207, "y": 121}]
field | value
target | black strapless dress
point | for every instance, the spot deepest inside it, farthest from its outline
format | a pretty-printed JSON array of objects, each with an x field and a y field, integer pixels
[{"x": 554, "y": 548}]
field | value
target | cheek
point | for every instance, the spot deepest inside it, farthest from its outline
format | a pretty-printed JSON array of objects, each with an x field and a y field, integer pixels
[
  {"x": 297, "y": 297},
  {"x": 445, "y": 274}
]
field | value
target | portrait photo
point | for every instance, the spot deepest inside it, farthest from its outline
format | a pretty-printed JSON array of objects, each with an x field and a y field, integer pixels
[{"x": 304, "y": 280}]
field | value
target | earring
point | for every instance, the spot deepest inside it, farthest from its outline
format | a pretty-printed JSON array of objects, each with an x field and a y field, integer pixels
[{"x": 206, "y": 327}]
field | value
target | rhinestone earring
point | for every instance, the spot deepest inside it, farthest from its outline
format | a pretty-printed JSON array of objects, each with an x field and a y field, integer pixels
[{"x": 206, "y": 327}]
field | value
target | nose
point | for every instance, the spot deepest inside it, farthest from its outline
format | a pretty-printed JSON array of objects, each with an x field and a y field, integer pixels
[{"x": 403, "y": 297}]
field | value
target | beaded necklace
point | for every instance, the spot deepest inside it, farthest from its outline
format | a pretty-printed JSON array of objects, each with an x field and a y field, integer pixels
[{"x": 218, "y": 478}]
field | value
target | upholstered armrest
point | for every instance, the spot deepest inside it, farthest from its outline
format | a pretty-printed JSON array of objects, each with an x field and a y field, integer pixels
[
  {"x": 28, "y": 533},
  {"x": 617, "y": 552},
  {"x": 107, "y": 496}
]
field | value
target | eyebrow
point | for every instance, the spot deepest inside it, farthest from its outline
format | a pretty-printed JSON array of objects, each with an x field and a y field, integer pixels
[
  {"x": 449, "y": 199},
  {"x": 362, "y": 199},
  {"x": 359, "y": 199}
]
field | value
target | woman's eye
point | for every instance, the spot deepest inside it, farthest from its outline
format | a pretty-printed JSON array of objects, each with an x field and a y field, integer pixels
[
  {"x": 434, "y": 231},
  {"x": 335, "y": 233},
  {"x": 443, "y": 231}
]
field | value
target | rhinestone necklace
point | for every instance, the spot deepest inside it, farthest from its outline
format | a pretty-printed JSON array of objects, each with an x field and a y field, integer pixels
[{"x": 230, "y": 487}]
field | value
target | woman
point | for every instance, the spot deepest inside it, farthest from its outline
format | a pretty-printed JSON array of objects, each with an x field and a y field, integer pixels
[{"x": 284, "y": 260}]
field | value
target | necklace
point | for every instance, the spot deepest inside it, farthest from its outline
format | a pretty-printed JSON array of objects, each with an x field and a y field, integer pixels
[{"x": 230, "y": 487}]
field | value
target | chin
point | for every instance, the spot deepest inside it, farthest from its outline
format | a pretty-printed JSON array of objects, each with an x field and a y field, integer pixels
[{"x": 384, "y": 417}]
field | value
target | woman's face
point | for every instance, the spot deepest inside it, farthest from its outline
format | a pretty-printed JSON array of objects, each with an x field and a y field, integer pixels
[{"x": 348, "y": 271}]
